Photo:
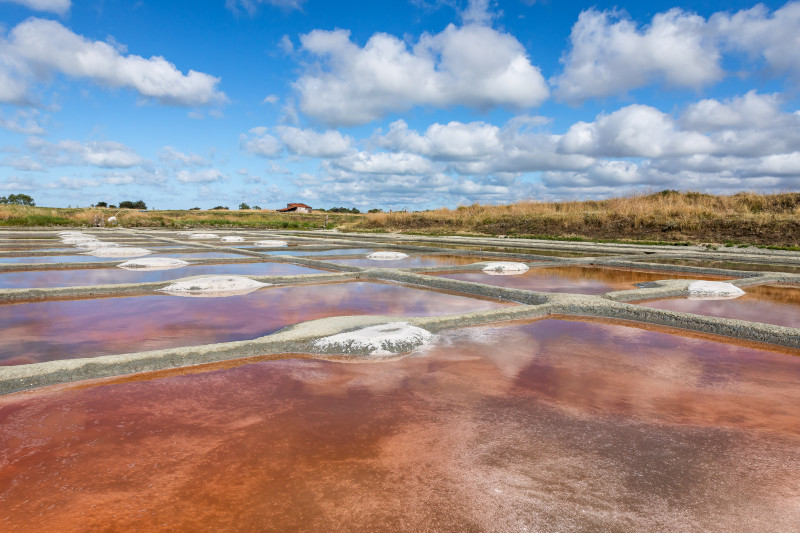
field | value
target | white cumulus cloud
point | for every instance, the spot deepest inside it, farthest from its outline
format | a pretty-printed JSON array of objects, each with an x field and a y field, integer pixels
[
  {"x": 36, "y": 48},
  {"x": 610, "y": 55},
  {"x": 258, "y": 142},
  {"x": 208, "y": 175},
  {"x": 306, "y": 142},
  {"x": 472, "y": 65}
]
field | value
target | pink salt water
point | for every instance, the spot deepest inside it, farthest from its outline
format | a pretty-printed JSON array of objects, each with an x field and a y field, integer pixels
[
  {"x": 43, "y": 331},
  {"x": 553, "y": 425},
  {"x": 771, "y": 304},
  {"x": 105, "y": 276},
  {"x": 576, "y": 279},
  {"x": 90, "y": 258},
  {"x": 423, "y": 260}
]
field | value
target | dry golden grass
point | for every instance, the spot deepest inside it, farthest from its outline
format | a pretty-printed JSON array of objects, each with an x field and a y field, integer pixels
[
  {"x": 664, "y": 216},
  {"x": 93, "y": 217}
]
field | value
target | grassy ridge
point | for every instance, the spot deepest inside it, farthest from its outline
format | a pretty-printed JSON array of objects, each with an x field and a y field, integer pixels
[
  {"x": 92, "y": 217},
  {"x": 666, "y": 216}
]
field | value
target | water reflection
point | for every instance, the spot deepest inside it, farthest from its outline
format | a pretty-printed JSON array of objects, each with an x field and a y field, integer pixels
[
  {"x": 779, "y": 305},
  {"x": 578, "y": 279},
  {"x": 333, "y": 251},
  {"x": 107, "y": 276},
  {"x": 45, "y": 331},
  {"x": 423, "y": 260},
  {"x": 552, "y": 425},
  {"x": 730, "y": 265},
  {"x": 88, "y": 258}
]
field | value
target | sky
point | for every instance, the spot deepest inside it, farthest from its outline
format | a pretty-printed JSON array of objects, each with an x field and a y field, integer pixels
[{"x": 398, "y": 104}]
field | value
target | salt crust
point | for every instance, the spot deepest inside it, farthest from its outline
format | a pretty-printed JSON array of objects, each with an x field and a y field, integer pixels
[
  {"x": 381, "y": 340},
  {"x": 184, "y": 233},
  {"x": 271, "y": 243},
  {"x": 96, "y": 244},
  {"x": 713, "y": 290},
  {"x": 203, "y": 236},
  {"x": 213, "y": 286},
  {"x": 121, "y": 251},
  {"x": 505, "y": 268},
  {"x": 386, "y": 256},
  {"x": 153, "y": 263},
  {"x": 232, "y": 238}
]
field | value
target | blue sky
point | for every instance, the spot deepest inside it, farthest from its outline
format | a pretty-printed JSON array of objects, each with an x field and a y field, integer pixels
[{"x": 411, "y": 104}]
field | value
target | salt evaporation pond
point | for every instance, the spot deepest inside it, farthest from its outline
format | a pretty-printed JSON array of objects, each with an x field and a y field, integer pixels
[
  {"x": 731, "y": 265},
  {"x": 64, "y": 329},
  {"x": 577, "y": 279},
  {"x": 333, "y": 251},
  {"x": 772, "y": 304},
  {"x": 547, "y": 426},
  {"x": 110, "y": 276},
  {"x": 422, "y": 260},
  {"x": 89, "y": 258}
]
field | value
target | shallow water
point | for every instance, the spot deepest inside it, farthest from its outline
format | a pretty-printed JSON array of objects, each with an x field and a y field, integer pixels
[
  {"x": 771, "y": 304},
  {"x": 730, "y": 265},
  {"x": 577, "y": 279},
  {"x": 546, "y": 426},
  {"x": 88, "y": 258},
  {"x": 333, "y": 251},
  {"x": 108, "y": 276},
  {"x": 422, "y": 260},
  {"x": 531, "y": 251},
  {"x": 66, "y": 329}
]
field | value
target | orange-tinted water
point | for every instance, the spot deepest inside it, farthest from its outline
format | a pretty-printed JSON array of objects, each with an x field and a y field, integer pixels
[
  {"x": 107, "y": 276},
  {"x": 66, "y": 329},
  {"x": 547, "y": 426},
  {"x": 778, "y": 304},
  {"x": 578, "y": 279}
]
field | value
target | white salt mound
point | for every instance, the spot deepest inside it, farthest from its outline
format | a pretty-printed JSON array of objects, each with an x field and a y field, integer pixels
[
  {"x": 386, "y": 256},
  {"x": 203, "y": 236},
  {"x": 713, "y": 290},
  {"x": 232, "y": 238},
  {"x": 213, "y": 286},
  {"x": 505, "y": 268},
  {"x": 153, "y": 263},
  {"x": 383, "y": 339},
  {"x": 121, "y": 251},
  {"x": 273, "y": 244},
  {"x": 96, "y": 244}
]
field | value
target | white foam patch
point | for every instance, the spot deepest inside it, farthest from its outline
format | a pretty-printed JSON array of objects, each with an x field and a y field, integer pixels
[
  {"x": 96, "y": 244},
  {"x": 153, "y": 263},
  {"x": 184, "y": 233},
  {"x": 505, "y": 268},
  {"x": 271, "y": 243},
  {"x": 383, "y": 339},
  {"x": 386, "y": 256},
  {"x": 213, "y": 286},
  {"x": 203, "y": 236},
  {"x": 232, "y": 238},
  {"x": 121, "y": 251},
  {"x": 713, "y": 290}
]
